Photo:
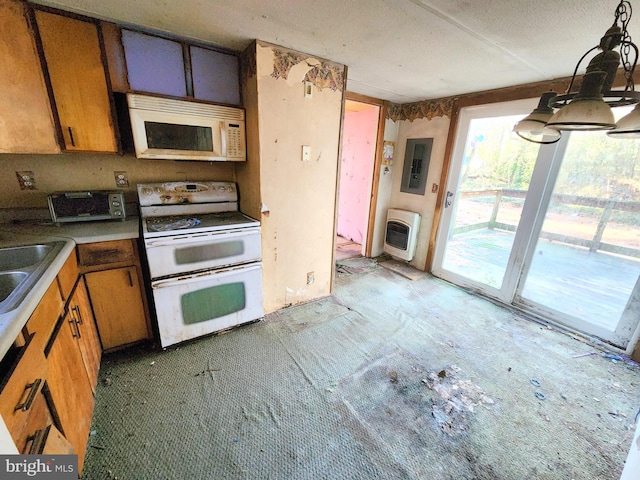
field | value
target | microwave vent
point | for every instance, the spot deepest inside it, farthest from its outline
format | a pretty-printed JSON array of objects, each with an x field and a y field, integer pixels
[{"x": 157, "y": 104}]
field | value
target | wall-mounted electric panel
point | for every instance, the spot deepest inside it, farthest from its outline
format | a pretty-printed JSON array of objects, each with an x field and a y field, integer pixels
[{"x": 416, "y": 165}]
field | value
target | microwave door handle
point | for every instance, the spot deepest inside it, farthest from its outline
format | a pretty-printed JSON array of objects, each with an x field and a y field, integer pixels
[
  {"x": 78, "y": 194},
  {"x": 223, "y": 137}
]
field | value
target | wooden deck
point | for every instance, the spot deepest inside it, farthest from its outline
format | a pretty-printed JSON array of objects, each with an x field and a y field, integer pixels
[{"x": 592, "y": 286}]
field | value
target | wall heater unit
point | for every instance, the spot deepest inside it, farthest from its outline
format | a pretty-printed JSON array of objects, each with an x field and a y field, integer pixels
[{"x": 401, "y": 233}]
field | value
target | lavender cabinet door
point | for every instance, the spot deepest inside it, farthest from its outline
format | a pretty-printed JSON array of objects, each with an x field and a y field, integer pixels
[
  {"x": 154, "y": 64},
  {"x": 215, "y": 76}
]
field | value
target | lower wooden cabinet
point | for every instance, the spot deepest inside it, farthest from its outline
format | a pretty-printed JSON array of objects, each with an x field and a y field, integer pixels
[
  {"x": 21, "y": 391},
  {"x": 81, "y": 314},
  {"x": 112, "y": 271},
  {"x": 48, "y": 379},
  {"x": 69, "y": 385},
  {"x": 124, "y": 321}
]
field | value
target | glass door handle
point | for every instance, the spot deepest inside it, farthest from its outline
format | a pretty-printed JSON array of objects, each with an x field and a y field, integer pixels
[{"x": 447, "y": 201}]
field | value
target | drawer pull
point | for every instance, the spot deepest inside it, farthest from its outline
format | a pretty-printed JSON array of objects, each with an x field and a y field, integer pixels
[
  {"x": 75, "y": 331},
  {"x": 130, "y": 278},
  {"x": 36, "y": 440},
  {"x": 76, "y": 309},
  {"x": 33, "y": 389},
  {"x": 73, "y": 143}
]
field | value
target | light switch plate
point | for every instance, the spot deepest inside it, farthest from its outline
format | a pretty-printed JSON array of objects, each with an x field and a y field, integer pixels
[
  {"x": 308, "y": 89},
  {"x": 306, "y": 153}
]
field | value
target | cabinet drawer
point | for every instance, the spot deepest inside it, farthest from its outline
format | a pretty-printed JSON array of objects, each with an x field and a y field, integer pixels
[
  {"x": 18, "y": 396},
  {"x": 105, "y": 253},
  {"x": 44, "y": 318},
  {"x": 40, "y": 435},
  {"x": 55, "y": 443}
]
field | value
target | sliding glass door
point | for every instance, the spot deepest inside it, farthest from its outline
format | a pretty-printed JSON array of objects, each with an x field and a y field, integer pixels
[
  {"x": 585, "y": 263},
  {"x": 552, "y": 229}
]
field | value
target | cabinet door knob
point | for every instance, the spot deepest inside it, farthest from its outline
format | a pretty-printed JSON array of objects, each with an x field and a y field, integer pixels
[{"x": 32, "y": 388}]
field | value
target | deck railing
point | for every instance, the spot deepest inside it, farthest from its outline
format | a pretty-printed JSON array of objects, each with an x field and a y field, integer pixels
[{"x": 594, "y": 244}]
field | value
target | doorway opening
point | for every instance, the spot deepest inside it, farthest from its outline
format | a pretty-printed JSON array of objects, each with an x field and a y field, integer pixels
[{"x": 357, "y": 171}]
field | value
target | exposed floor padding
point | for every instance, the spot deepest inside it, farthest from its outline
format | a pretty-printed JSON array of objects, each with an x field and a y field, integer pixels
[{"x": 389, "y": 378}]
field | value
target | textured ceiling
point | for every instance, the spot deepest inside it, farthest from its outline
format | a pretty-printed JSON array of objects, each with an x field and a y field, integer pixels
[{"x": 397, "y": 50}]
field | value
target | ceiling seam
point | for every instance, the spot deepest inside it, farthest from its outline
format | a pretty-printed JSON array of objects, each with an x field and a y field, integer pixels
[
  {"x": 351, "y": 80},
  {"x": 429, "y": 8}
]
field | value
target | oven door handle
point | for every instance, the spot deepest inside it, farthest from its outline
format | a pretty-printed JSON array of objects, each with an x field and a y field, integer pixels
[
  {"x": 177, "y": 239},
  {"x": 220, "y": 273}
]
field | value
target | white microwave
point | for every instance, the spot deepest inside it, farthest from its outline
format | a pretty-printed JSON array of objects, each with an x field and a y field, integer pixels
[{"x": 184, "y": 130}]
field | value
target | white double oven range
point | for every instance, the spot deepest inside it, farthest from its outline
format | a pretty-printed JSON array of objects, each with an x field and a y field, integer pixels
[{"x": 204, "y": 258}]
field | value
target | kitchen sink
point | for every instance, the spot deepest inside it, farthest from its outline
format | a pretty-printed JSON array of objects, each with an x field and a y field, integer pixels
[
  {"x": 15, "y": 258},
  {"x": 21, "y": 268},
  {"x": 9, "y": 281}
]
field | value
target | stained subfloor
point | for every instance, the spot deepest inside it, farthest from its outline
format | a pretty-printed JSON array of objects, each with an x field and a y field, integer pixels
[
  {"x": 389, "y": 378},
  {"x": 346, "y": 248}
]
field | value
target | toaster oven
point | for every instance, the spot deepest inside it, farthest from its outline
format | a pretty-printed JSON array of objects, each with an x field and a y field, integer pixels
[{"x": 66, "y": 207}]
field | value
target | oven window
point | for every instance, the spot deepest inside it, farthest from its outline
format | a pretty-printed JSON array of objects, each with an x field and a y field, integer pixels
[
  {"x": 171, "y": 136},
  {"x": 210, "y": 251},
  {"x": 212, "y": 302}
]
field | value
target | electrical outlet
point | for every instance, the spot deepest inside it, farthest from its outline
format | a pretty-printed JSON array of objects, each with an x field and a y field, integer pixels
[
  {"x": 27, "y": 180},
  {"x": 308, "y": 89},
  {"x": 121, "y": 179},
  {"x": 306, "y": 153},
  {"x": 310, "y": 278}
]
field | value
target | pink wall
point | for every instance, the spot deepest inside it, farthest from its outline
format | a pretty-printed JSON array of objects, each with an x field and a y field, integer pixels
[{"x": 356, "y": 172}]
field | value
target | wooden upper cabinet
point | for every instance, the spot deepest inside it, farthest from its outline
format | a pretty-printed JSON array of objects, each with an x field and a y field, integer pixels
[
  {"x": 154, "y": 64},
  {"x": 74, "y": 62},
  {"x": 216, "y": 76},
  {"x": 26, "y": 118}
]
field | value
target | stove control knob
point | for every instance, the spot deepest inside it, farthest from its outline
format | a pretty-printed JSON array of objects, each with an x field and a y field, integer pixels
[
  {"x": 146, "y": 191},
  {"x": 158, "y": 190}
]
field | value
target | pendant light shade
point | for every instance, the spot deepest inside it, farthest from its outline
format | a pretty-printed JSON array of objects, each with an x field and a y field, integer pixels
[
  {"x": 534, "y": 128},
  {"x": 587, "y": 111},
  {"x": 590, "y": 108},
  {"x": 628, "y": 126}
]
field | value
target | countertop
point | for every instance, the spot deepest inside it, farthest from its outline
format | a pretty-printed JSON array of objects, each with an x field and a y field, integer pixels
[{"x": 12, "y": 235}]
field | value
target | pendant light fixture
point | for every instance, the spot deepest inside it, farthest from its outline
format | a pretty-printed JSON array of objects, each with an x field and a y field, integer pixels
[{"x": 589, "y": 108}]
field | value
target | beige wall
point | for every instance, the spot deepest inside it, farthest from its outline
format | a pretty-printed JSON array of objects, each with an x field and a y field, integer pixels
[
  {"x": 297, "y": 198},
  {"x": 438, "y": 129},
  {"x": 78, "y": 171}
]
